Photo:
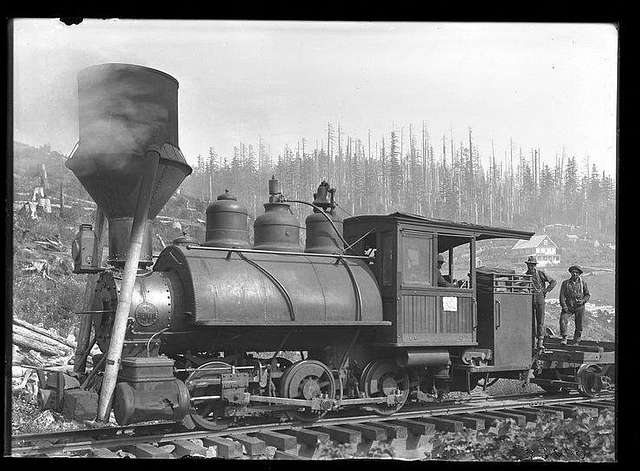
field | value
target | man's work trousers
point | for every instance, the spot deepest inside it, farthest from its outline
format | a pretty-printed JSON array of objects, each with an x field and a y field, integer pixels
[
  {"x": 538, "y": 314},
  {"x": 564, "y": 321}
]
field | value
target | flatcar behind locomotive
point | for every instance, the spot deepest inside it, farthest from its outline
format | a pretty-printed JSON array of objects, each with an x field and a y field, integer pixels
[{"x": 207, "y": 323}]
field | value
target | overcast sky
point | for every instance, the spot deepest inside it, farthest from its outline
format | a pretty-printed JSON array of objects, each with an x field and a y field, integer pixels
[{"x": 545, "y": 85}]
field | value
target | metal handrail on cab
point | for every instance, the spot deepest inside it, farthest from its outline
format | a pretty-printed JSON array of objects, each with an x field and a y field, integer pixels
[{"x": 277, "y": 252}]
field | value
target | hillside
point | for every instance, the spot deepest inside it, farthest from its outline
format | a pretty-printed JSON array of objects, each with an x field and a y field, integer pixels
[{"x": 45, "y": 291}]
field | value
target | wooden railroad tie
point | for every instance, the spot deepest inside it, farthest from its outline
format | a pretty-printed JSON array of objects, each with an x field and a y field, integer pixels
[
  {"x": 520, "y": 419},
  {"x": 370, "y": 432},
  {"x": 473, "y": 423},
  {"x": 225, "y": 448},
  {"x": 146, "y": 450},
  {"x": 253, "y": 446},
  {"x": 530, "y": 413},
  {"x": 282, "y": 442},
  {"x": 188, "y": 448},
  {"x": 341, "y": 434},
  {"x": 416, "y": 427},
  {"x": 443, "y": 424},
  {"x": 308, "y": 437},
  {"x": 103, "y": 453},
  {"x": 601, "y": 405},
  {"x": 490, "y": 418},
  {"x": 394, "y": 431},
  {"x": 282, "y": 455},
  {"x": 574, "y": 410}
]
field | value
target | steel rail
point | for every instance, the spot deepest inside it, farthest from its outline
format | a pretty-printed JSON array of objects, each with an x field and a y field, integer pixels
[
  {"x": 142, "y": 427},
  {"x": 443, "y": 410}
]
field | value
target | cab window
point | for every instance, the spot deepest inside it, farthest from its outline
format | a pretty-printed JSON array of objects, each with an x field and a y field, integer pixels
[
  {"x": 417, "y": 261},
  {"x": 458, "y": 259}
]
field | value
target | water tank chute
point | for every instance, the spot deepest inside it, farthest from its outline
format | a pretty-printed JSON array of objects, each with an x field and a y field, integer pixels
[
  {"x": 125, "y": 112},
  {"x": 227, "y": 223},
  {"x": 277, "y": 228}
]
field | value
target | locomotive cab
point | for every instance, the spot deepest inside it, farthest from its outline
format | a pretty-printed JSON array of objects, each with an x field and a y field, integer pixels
[{"x": 404, "y": 250}]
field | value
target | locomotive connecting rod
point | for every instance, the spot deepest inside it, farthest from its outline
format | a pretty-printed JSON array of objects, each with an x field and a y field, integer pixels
[{"x": 138, "y": 230}]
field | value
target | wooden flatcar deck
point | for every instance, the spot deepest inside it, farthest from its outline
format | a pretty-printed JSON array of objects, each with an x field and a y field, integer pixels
[{"x": 588, "y": 351}]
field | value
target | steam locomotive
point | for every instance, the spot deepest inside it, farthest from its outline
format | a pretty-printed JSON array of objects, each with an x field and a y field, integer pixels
[{"x": 209, "y": 322}]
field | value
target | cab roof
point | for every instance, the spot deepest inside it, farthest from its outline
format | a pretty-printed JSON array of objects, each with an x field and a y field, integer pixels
[{"x": 480, "y": 231}]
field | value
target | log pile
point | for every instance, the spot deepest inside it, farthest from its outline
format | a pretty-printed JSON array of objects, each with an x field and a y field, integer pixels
[
  {"x": 31, "y": 337},
  {"x": 34, "y": 346}
]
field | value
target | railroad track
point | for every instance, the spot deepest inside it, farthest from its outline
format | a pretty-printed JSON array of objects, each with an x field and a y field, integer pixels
[{"x": 405, "y": 431}]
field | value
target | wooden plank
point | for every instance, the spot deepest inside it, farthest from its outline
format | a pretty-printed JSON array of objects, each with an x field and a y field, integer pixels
[
  {"x": 283, "y": 455},
  {"x": 188, "y": 448},
  {"x": 415, "y": 427},
  {"x": 279, "y": 440},
  {"x": 307, "y": 436},
  {"x": 370, "y": 432},
  {"x": 253, "y": 445},
  {"x": 606, "y": 345},
  {"x": 577, "y": 348},
  {"x": 473, "y": 423},
  {"x": 573, "y": 357},
  {"x": 443, "y": 424},
  {"x": 394, "y": 431},
  {"x": 144, "y": 450},
  {"x": 225, "y": 448},
  {"x": 340, "y": 434},
  {"x": 103, "y": 453}
]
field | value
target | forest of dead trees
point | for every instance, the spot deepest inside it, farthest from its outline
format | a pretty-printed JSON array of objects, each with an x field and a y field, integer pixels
[{"x": 412, "y": 172}]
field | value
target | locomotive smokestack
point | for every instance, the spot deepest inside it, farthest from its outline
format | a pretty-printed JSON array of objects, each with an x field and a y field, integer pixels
[{"x": 129, "y": 161}]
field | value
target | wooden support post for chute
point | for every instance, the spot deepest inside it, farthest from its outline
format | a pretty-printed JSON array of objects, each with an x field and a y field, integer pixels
[
  {"x": 138, "y": 230},
  {"x": 84, "y": 331}
]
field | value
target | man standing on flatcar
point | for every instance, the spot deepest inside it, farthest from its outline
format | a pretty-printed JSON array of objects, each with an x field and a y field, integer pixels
[
  {"x": 574, "y": 294},
  {"x": 542, "y": 284}
]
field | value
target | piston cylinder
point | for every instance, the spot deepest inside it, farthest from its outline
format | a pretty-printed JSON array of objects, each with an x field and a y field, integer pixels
[
  {"x": 227, "y": 223},
  {"x": 148, "y": 391}
]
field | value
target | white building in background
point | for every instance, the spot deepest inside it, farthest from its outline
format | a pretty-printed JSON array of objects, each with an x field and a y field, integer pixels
[{"x": 541, "y": 247}]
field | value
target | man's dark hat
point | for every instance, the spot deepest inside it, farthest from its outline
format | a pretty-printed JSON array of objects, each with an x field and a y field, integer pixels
[
  {"x": 532, "y": 259},
  {"x": 575, "y": 267}
]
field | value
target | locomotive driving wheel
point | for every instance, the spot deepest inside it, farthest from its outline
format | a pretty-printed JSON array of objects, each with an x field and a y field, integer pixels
[
  {"x": 308, "y": 380},
  {"x": 207, "y": 405},
  {"x": 381, "y": 378}
]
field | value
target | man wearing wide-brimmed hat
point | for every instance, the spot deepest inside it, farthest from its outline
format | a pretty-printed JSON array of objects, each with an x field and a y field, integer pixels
[
  {"x": 574, "y": 294},
  {"x": 542, "y": 284}
]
